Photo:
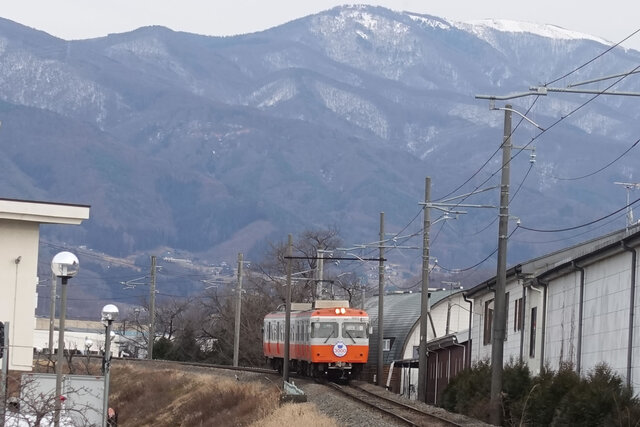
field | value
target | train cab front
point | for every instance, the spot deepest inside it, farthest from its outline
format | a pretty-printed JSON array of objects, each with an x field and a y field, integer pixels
[{"x": 340, "y": 342}]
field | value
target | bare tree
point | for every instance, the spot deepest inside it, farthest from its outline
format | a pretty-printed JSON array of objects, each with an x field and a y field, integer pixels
[
  {"x": 264, "y": 291},
  {"x": 32, "y": 407}
]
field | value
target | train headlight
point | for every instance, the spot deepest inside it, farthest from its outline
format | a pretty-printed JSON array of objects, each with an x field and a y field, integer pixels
[{"x": 343, "y": 310}]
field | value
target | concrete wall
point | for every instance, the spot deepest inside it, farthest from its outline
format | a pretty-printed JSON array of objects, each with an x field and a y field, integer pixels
[{"x": 18, "y": 299}]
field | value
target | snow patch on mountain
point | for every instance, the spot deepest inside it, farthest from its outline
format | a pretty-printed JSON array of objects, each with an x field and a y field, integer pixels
[
  {"x": 354, "y": 109},
  {"x": 476, "y": 114},
  {"x": 152, "y": 50},
  {"x": 430, "y": 21},
  {"x": 274, "y": 93},
  {"x": 367, "y": 41},
  {"x": 483, "y": 28},
  {"x": 28, "y": 80},
  {"x": 419, "y": 140}
]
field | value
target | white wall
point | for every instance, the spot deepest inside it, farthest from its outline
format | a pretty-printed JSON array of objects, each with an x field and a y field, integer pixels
[
  {"x": 458, "y": 321},
  {"x": 18, "y": 288},
  {"x": 606, "y": 313},
  {"x": 563, "y": 320}
]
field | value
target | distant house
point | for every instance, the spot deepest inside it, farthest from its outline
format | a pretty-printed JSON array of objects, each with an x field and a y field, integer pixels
[
  {"x": 19, "y": 237},
  {"x": 80, "y": 336}
]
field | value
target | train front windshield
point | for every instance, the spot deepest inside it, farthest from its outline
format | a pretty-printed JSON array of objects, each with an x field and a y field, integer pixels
[
  {"x": 324, "y": 329},
  {"x": 354, "y": 330}
]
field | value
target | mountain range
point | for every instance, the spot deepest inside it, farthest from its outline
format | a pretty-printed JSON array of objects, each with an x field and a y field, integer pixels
[{"x": 209, "y": 146}]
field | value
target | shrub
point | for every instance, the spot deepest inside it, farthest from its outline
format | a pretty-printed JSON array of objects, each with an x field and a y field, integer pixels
[
  {"x": 548, "y": 390},
  {"x": 600, "y": 399},
  {"x": 516, "y": 386},
  {"x": 468, "y": 393}
]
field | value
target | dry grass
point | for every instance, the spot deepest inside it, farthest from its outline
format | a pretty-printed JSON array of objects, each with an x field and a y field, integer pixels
[
  {"x": 296, "y": 414},
  {"x": 144, "y": 396}
]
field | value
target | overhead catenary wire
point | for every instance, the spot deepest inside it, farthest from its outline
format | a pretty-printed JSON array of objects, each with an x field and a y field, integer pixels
[
  {"x": 478, "y": 264},
  {"x": 609, "y": 49},
  {"x": 535, "y": 100},
  {"x": 604, "y": 224},
  {"x": 558, "y": 230},
  {"x": 602, "y": 168}
]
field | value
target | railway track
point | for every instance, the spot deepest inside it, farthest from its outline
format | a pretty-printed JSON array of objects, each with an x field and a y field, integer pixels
[{"x": 399, "y": 411}]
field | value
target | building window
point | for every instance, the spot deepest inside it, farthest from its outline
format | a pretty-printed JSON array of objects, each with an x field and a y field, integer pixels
[
  {"x": 386, "y": 344},
  {"x": 416, "y": 351},
  {"x": 488, "y": 321},
  {"x": 517, "y": 314},
  {"x": 532, "y": 338}
]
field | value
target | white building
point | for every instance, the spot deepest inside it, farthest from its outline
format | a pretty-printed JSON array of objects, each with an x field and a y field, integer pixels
[
  {"x": 19, "y": 236},
  {"x": 577, "y": 305}
]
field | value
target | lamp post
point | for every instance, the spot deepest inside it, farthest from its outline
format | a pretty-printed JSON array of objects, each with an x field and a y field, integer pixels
[
  {"x": 64, "y": 265},
  {"x": 109, "y": 314}
]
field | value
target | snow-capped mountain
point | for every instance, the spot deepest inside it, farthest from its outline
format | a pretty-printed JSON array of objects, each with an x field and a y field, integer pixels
[{"x": 212, "y": 145}]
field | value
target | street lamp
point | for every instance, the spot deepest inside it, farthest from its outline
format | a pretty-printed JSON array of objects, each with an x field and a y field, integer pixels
[
  {"x": 109, "y": 314},
  {"x": 64, "y": 265}
]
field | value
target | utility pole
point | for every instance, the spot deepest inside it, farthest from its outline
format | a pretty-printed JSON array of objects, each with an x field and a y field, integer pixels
[
  {"x": 52, "y": 311},
  {"x": 451, "y": 284},
  {"x": 499, "y": 309},
  {"x": 380, "y": 374},
  {"x": 424, "y": 299},
  {"x": 629, "y": 186},
  {"x": 152, "y": 308},
  {"x": 287, "y": 315},
  {"x": 236, "y": 336},
  {"x": 4, "y": 375},
  {"x": 320, "y": 274}
]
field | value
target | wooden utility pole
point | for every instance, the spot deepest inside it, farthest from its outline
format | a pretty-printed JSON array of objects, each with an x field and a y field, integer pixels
[
  {"x": 236, "y": 336},
  {"x": 152, "y": 308}
]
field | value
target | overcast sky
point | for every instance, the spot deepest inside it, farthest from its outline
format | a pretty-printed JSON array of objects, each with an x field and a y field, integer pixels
[{"x": 612, "y": 20}]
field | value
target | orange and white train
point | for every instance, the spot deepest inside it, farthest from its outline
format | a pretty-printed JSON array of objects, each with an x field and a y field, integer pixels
[{"x": 327, "y": 339}]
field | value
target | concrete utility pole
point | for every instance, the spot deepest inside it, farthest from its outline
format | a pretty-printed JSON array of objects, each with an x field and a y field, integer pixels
[
  {"x": 52, "y": 311},
  {"x": 499, "y": 309},
  {"x": 236, "y": 336},
  {"x": 380, "y": 374},
  {"x": 287, "y": 315},
  {"x": 4, "y": 374},
  {"x": 320, "y": 274},
  {"x": 629, "y": 186},
  {"x": 152, "y": 308},
  {"x": 424, "y": 300}
]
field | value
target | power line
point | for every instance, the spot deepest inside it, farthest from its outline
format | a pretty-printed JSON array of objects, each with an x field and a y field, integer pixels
[
  {"x": 568, "y": 238},
  {"x": 593, "y": 59},
  {"x": 558, "y": 230},
  {"x": 602, "y": 168}
]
